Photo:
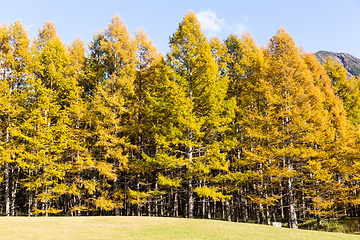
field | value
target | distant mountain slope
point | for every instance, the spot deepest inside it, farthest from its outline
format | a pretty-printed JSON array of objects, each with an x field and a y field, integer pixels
[{"x": 351, "y": 63}]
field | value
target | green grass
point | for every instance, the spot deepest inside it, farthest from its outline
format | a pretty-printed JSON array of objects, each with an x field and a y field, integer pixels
[{"x": 147, "y": 228}]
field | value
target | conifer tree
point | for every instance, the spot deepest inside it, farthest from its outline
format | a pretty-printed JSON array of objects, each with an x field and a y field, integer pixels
[
  {"x": 297, "y": 121},
  {"x": 321, "y": 175},
  {"x": 112, "y": 66},
  {"x": 77, "y": 111},
  {"x": 47, "y": 129},
  {"x": 14, "y": 57},
  {"x": 200, "y": 112},
  {"x": 344, "y": 152},
  {"x": 346, "y": 89},
  {"x": 249, "y": 127},
  {"x": 147, "y": 61}
]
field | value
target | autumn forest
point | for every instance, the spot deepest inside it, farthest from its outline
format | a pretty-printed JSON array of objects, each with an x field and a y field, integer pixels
[{"x": 213, "y": 129}]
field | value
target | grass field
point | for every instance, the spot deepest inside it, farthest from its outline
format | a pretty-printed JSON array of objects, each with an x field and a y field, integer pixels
[{"x": 147, "y": 228}]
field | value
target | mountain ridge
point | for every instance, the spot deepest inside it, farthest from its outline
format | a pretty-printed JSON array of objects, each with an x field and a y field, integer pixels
[{"x": 351, "y": 63}]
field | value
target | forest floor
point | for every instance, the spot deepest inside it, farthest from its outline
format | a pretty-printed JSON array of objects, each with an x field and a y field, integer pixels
[{"x": 147, "y": 228}]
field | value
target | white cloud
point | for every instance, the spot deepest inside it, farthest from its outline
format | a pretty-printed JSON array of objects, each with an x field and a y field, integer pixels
[
  {"x": 238, "y": 29},
  {"x": 212, "y": 25}
]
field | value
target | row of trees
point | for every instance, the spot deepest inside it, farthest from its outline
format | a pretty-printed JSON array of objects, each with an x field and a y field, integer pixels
[{"x": 214, "y": 130}]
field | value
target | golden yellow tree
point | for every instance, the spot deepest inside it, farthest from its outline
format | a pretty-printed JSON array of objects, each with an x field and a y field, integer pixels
[{"x": 297, "y": 121}]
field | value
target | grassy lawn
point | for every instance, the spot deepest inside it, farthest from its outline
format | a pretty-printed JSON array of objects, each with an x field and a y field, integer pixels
[{"x": 147, "y": 228}]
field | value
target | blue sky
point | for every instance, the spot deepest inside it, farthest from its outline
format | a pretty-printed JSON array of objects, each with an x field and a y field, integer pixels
[{"x": 315, "y": 25}]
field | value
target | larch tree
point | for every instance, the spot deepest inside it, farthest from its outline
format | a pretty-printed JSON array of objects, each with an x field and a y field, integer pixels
[
  {"x": 47, "y": 129},
  {"x": 14, "y": 59},
  {"x": 297, "y": 120},
  {"x": 147, "y": 61},
  {"x": 345, "y": 154},
  {"x": 321, "y": 173},
  {"x": 112, "y": 60},
  {"x": 77, "y": 110},
  {"x": 203, "y": 113},
  {"x": 253, "y": 168},
  {"x": 346, "y": 89},
  {"x": 249, "y": 127}
]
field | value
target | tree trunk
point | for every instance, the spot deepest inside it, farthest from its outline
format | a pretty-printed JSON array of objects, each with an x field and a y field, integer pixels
[
  {"x": 137, "y": 185},
  {"x": 292, "y": 212},
  {"x": 161, "y": 206},
  {"x": 14, "y": 190},
  {"x": 281, "y": 202},
  {"x": 176, "y": 205},
  {"x": 116, "y": 211},
  {"x": 190, "y": 200},
  {"x": 7, "y": 189},
  {"x": 244, "y": 206},
  {"x": 318, "y": 220},
  {"x": 156, "y": 202},
  {"x": 7, "y": 171},
  {"x": 208, "y": 209},
  {"x": 203, "y": 207},
  {"x": 303, "y": 202},
  {"x": 228, "y": 210}
]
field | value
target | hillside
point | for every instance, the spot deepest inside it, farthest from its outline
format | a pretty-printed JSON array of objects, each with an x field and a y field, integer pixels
[{"x": 351, "y": 63}]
